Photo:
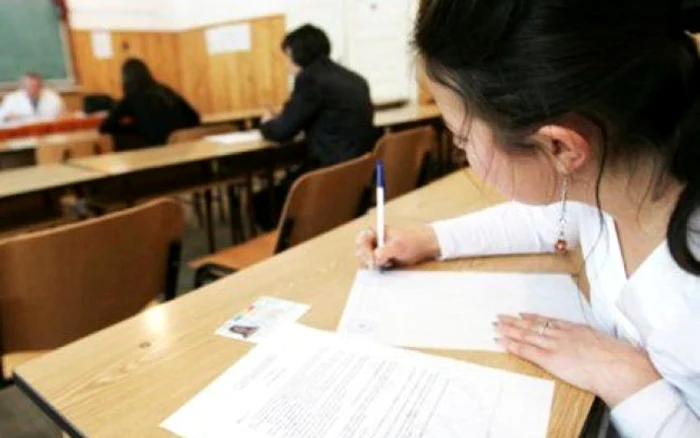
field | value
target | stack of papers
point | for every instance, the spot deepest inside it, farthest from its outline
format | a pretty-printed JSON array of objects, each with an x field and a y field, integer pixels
[
  {"x": 453, "y": 310},
  {"x": 236, "y": 137},
  {"x": 302, "y": 382}
]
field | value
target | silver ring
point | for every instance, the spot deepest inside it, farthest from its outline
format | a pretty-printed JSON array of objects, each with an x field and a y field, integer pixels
[{"x": 544, "y": 327}]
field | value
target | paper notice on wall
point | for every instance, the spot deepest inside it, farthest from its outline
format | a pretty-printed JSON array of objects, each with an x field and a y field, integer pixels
[
  {"x": 229, "y": 39},
  {"x": 102, "y": 44}
]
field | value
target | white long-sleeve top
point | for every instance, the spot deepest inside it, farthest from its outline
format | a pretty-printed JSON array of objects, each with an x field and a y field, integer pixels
[
  {"x": 18, "y": 106},
  {"x": 657, "y": 308}
]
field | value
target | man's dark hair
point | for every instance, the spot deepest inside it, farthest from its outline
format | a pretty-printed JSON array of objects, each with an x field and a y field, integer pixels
[{"x": 307, "y": 45}]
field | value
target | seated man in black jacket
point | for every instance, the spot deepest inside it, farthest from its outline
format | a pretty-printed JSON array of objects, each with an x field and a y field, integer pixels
[{"x": 330, "y": 104}]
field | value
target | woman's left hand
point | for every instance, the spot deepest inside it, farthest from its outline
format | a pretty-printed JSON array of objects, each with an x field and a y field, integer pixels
[{"x": 578, "y": 354}]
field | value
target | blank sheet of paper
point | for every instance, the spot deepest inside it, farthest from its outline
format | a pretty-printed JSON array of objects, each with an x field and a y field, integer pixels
[
  {"x": 303, "y": 382},
  {"x": 452, "y": 310},
  {"x": 236, "y": 137}
]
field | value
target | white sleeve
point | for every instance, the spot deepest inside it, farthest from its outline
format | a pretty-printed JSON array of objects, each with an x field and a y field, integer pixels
[
  {"x": 669, "y": 408},
  {"x": 5, "y": 108},
  {"x": 57, "y": 105},
  {"x": 509, "y": 228},
  {"x": 657, "y": 411}
]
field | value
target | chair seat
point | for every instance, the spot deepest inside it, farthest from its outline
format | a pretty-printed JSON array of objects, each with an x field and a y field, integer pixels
[{"x": 243, "y": 255}]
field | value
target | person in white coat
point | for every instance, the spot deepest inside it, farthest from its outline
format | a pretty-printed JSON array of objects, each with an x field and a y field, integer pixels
[
  {"x": 587, "y": 113},
  {"x": 31, "y": 103}
]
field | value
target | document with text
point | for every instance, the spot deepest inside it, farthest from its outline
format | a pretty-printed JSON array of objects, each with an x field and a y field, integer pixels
[
  {"x": 302, "y": 383},
  {"x": 236, "y": 137},
  {"x": 453, "y": 310}
]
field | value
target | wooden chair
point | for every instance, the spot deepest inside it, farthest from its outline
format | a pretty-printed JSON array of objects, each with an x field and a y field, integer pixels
[
  {"x": 50, "y": 153},
  {"x": 317, "y": 202},
  {"x": 62, "y": 284},
  {"x": 405, "y": 155}
]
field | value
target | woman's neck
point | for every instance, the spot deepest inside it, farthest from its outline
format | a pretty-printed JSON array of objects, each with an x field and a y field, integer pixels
[{"x": 641, "y": 204}]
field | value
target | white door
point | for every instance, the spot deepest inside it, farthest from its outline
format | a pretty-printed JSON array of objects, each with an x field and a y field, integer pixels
[
  {"x": 377, "y": 44},
  {"x": 325, "y": 14}
]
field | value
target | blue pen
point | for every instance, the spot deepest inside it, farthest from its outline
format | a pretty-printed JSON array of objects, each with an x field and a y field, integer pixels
[{"x": 380, "y": 203}]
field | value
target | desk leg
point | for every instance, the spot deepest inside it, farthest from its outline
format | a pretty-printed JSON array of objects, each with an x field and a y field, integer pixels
[
  {"x": 249, "y": 219},
  {"x": 273, "y": 191},
  {"x": 172, "y": 270},
  {"x": 234, "y": 210},
  {"x": 209, "y": 221}
]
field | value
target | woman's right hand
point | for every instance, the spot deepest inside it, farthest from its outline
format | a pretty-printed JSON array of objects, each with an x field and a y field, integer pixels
[{"x": 403, "y": 246}]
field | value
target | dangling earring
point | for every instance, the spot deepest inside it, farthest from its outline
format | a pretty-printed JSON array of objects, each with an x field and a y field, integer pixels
[{"x": 562, "y": 245}]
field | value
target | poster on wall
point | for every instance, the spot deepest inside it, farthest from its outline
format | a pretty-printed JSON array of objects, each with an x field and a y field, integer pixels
[
  {"x": 101, "y": 44},
  {"x": 228, "y": 39}
]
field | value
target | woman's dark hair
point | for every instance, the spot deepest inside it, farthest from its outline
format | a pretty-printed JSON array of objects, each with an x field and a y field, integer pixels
[
  {"x": 136, "y": 77},
  {"x": 306, "y": 45},
  {"x": 624, "y": 66}
]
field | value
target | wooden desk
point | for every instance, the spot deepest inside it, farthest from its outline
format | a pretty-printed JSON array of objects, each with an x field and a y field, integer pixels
[
  {"x": 384, "y": 118},
  {"x": 59, "y": 138},
  {"x": 124, "y": 381},
  {"x": 40, "y": 178},
  {"x": 61, "y": 125},
  {"x": 121, "y": 163},
  {"x": 160, "y": 171},
  {"x": 30, "y": 195},
  {"x": 246, "y": 119},
  {"x": 19, "y": 152},
  {"x": 408, "y": 114}
]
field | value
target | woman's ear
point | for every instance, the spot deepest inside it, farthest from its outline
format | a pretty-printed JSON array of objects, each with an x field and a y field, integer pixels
[{"x": 568, "y": 148}]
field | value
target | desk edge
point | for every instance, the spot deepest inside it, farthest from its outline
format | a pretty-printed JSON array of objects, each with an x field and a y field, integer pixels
[{"x": 52, "y": 413}]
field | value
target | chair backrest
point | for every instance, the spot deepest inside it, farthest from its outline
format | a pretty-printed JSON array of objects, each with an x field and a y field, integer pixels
[
  {"x": 198, "y": 132},
  {"x": 404, "y": 155},
  {"x": 324, "y": 199},
  {"x": 48, "y": 152},
  {"x": 62, "y": 284},
  {"x": 93, "y": 103}
]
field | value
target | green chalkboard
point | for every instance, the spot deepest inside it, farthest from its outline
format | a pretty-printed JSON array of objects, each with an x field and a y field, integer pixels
[{"x": 31, "y": 39}]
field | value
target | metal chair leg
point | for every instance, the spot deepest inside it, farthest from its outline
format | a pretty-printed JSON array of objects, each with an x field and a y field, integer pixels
[{"x": 209, "y": 221}]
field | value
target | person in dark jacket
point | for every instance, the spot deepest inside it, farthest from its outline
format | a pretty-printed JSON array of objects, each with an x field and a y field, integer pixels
[
  {"x": 330, "y": 104},
  {"x": 149, "y": 109}
]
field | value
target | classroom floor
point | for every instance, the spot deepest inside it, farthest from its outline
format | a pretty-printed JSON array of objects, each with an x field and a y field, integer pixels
[{"x": 20, "y": 418}]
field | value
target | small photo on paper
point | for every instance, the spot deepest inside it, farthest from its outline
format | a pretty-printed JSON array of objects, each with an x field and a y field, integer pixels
[
  {"x": 244, "y": 331},
  {"x": 261, "y": 318}
]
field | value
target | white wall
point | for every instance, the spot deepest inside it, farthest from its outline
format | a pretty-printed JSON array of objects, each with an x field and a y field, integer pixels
[
  {"x": 167, "y": 15},
  {"x": 329, "y": 15},
  {"x": 143, "y": 15},
  {"x": 194, "y": 13},
  {"x": 369, "y": 36},
  {"x": 377, "y": 46}
]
